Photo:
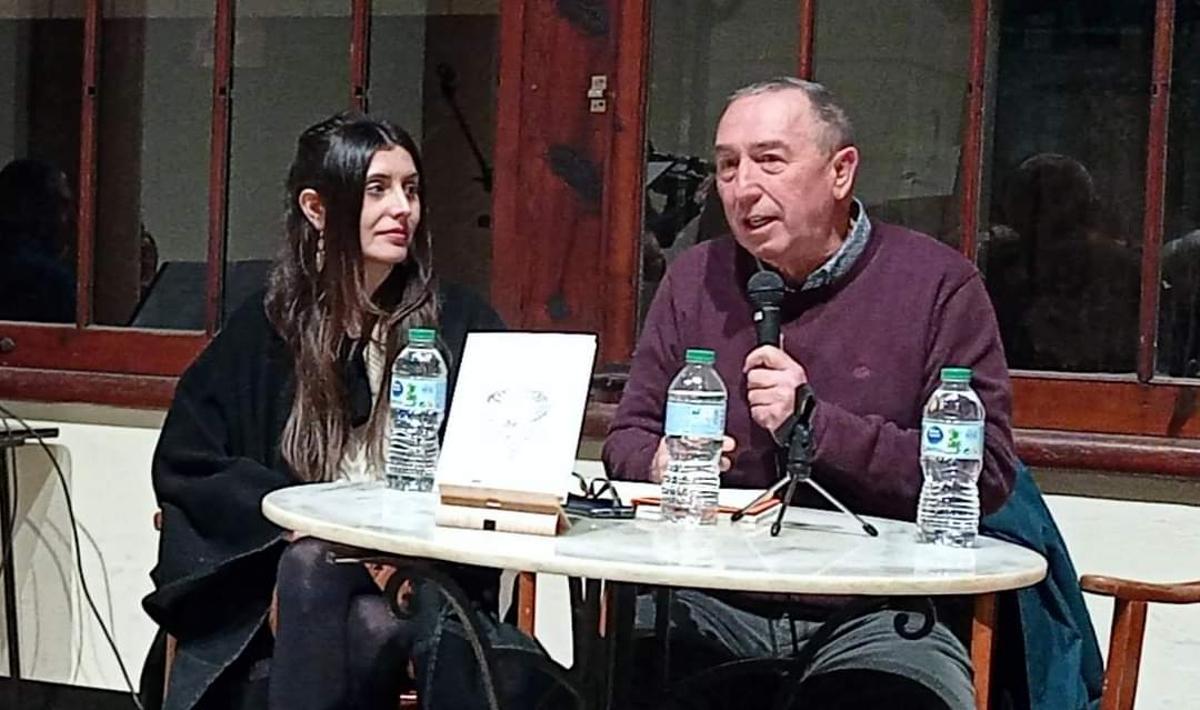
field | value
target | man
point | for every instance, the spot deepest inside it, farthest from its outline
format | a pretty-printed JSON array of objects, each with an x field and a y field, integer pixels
[
  {"x": 36, "y": 284},
  {"x": 872, "y": 314}
]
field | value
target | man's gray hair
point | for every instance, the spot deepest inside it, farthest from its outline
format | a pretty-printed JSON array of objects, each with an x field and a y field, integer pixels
[{"x": 838, "y": 131}]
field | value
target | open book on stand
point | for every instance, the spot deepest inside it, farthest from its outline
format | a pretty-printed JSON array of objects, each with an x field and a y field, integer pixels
[
  {"x": 513, "y": 431},
  {"x": 503, "y": 510}
]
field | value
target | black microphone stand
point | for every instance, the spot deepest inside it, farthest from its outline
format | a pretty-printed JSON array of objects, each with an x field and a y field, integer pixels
[
  {"x": 766, "y": 289},
  {"x": 797, "y": 466}
]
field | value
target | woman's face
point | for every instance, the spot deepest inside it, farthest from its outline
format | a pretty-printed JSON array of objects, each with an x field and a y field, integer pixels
[{"x": 391, "y": 208}]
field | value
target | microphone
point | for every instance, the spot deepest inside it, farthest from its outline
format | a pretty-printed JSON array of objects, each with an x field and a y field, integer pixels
[{"x": 765, "y": 290}]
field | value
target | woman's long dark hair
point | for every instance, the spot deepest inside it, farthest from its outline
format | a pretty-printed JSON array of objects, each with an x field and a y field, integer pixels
[{"x": 318, "y": 300}]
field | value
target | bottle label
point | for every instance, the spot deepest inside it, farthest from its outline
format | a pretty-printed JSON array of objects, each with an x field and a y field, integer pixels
[
  {"x": 960, "y": 441},
  {"x": 419, "y": 394},
  {"x": 695, "y": 420}
]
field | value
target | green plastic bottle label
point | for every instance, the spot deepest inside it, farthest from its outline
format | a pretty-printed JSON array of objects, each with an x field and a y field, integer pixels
[
  {"x": 422, "y": 394},
  {"x": 960, "y": 441},
  {"x": 695, "y": 420}
]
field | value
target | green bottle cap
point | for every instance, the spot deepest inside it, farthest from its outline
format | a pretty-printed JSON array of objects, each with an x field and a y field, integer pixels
[
  {"x": 699, "y": 356},
  {"x": 956, "y": 374},
  {"x": 422, "y": 335}
]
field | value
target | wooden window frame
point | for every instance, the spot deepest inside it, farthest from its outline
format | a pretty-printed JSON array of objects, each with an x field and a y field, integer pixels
[
  {"x": 1138, "y": 422},
  {"x": 1141, "y": 421},
  {"x": 136, "y": 367},
  {"x": 1144, "y": 403}
]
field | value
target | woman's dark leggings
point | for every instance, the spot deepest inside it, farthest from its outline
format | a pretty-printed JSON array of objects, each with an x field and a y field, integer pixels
[{"x": 338, "y": 644}]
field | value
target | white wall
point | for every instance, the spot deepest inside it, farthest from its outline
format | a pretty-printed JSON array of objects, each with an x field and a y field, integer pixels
[
  {"x": 107, "y": 467},
  {"x": 1149, "y": 541}
]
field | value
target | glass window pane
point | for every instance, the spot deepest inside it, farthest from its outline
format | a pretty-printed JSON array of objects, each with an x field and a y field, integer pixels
[
  {"x": 700, "y": 52},
  {"x": 153, "y": 135},
  {"x": 1179, "y": 299},
  {"x": 905, "y": 96},
  {"x": 433, "y": 72},
  {"x": 41, "y": 57},
  {"x": 1066, "y": 182},
  {"x": 291, "y": 68}
]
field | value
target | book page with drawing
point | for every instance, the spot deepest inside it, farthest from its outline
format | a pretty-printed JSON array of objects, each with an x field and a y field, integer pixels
[{"x": 515, "y": 420}]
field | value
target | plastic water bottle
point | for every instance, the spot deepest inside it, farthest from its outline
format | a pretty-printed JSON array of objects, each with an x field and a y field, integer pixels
[
  {"x": 951, "y": 459},
  {"x": 418, "y": 402},
  {"x": 695, "y": 426}
]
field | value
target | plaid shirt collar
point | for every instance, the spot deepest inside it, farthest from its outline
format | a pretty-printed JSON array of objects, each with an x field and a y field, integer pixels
[{"x": 843, "y": 259}]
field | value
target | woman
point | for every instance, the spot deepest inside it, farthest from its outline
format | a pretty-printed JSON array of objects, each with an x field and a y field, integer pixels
[{"x": 290, "y": 392}]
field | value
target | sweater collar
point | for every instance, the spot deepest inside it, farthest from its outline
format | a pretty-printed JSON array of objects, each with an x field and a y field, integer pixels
[{"x": 837, "y": 268}]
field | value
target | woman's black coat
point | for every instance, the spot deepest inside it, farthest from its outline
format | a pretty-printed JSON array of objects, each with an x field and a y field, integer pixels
[{"x": 217, "y": 456}]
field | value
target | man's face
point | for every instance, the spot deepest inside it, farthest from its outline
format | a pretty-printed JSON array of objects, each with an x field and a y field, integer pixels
[{"x": 779, "y": 182}]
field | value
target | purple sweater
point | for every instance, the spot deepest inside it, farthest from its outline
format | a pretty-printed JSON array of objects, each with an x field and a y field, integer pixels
[{"x": 872, "y": 342}]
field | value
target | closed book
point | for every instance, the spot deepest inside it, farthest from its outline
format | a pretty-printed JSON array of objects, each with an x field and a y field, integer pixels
[
  {"x": 515, "y": 521},
  {"x": 648, "y": 508}
]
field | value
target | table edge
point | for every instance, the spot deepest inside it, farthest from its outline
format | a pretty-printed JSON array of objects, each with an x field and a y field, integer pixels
[{"x": 644, "y": 573}]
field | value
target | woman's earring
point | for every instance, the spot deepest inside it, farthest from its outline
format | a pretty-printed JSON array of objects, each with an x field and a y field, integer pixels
[{"x": 320, "y": 251}]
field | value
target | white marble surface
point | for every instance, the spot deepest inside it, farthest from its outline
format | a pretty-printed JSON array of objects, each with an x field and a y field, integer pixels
[{"x": 818, "y": 552}]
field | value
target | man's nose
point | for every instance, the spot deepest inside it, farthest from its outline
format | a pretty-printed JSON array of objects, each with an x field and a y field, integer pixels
[{"x": 746, "y": 185}]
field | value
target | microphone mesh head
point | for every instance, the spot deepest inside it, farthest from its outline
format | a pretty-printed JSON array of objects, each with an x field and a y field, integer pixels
[{"x": 765, "y": 288}]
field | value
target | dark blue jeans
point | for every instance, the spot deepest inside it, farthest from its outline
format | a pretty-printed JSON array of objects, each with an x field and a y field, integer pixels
[{"x": 866, "y": 664}]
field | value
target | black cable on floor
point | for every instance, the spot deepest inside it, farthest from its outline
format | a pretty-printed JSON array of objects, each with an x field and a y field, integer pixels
[
  {"x": 11, "y": 455},
  {"x": 87, "y": 594}
]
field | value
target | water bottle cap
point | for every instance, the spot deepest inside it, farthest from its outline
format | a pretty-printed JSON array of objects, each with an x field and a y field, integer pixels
[
  {"x": 956, "y": 374},
  {"x": 422, "y": 335},
  {"x": 699, "y": 356}
]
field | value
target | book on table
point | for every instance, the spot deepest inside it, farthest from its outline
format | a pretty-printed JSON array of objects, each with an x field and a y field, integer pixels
[
  {"x": 513, "y": 431},
  {"x": 649, "y": 508}
]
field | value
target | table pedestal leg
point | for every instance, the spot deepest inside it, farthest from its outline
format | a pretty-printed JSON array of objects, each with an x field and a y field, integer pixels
[
  {"x": 620, "y": 603},
  {"x": 983, "y": 640}
]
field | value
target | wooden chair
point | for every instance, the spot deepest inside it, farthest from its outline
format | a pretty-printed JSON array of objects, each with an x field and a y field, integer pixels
[{"x": 1130, "y": 598}]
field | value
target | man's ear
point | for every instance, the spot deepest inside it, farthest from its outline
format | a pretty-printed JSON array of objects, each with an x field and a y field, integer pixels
[
  {"x": 312, "y": 207},
  {"x": 845, "y": 168}
]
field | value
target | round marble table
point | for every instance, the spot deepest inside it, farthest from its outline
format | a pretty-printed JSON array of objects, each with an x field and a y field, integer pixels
[{"x": 818, "y": 552}]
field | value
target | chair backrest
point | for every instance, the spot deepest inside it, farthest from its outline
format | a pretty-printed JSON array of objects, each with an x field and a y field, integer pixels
[{"x": 1130, "y": 600}]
